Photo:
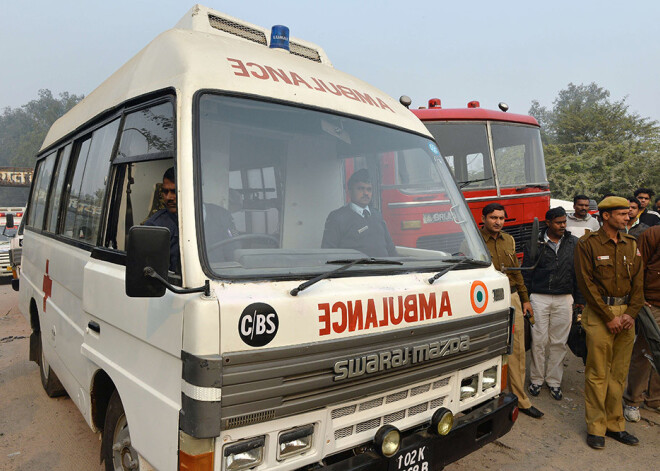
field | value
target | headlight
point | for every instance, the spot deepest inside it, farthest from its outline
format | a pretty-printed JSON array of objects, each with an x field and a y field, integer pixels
[
  {"x": 388, "y": 440},
  {"x": 245, "y": 454},
  {"x": 295, "y": 442},
  {"x": 489, "y": 379},
  {"x": 442, "y": 421},
  {"x": 469, "y": 386}
]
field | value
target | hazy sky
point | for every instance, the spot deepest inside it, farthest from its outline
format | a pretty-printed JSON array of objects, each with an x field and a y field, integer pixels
[{"x": 491, "y": 51}]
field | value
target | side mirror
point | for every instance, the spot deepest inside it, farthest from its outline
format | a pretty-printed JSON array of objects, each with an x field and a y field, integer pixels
[
  {"x": 533, "y": 239},
  {"x": 146, "y": 246},
  {"x": 9, "y": 218}
]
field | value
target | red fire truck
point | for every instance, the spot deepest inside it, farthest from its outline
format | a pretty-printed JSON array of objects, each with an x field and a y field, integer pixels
[{"x": 495, "y": 156}]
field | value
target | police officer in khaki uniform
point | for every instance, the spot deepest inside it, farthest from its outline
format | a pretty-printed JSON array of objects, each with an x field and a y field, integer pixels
[
  {"x": 502, "y": 249},
  {"x": 608, "y": 266}
]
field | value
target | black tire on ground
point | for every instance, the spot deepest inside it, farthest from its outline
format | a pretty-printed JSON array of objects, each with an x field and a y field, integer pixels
[
  {"x": 117, "y": 451},
  {"x": 49, "y": 379}
]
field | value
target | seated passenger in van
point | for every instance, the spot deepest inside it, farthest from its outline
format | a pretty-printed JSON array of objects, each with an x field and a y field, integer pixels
[
  {"x": 167, "y": 218},
  {"x": 356, "y": 225}
]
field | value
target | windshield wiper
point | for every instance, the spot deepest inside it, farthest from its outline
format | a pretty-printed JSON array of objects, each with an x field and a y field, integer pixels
[
  {"x": 464, "y": 261},
  {"x": 462, "y": 185},
  {"x": 346, "y": 265}
]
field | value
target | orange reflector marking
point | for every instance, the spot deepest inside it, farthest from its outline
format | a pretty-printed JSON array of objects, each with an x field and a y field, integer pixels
[{"x": 203, "y": 462}]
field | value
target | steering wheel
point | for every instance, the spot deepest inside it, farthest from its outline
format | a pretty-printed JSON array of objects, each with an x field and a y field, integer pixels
[{"x": 269, "y": 238}]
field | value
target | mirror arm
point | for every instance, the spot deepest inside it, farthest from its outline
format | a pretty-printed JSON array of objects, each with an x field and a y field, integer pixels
[{"x": 151, "y": 273}]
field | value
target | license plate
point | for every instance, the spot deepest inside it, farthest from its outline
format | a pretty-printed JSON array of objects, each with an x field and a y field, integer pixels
[
  {"x": 416, "y": 459},
  {"x": 441, "y": 216}
]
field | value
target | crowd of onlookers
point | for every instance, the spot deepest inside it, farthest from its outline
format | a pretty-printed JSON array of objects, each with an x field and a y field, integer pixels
[{"x": 597, "y": 272}]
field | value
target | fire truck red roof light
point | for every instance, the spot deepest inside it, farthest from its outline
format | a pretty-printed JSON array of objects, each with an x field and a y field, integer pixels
[
  {"x": 473, "y": 104},
  {"x": 435, "y": 103}
]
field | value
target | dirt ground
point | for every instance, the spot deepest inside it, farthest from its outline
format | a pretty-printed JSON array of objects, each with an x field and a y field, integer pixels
[{"x": 38, "y": 433}]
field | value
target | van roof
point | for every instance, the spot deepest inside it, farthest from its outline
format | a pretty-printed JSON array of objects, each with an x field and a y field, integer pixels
[{"x": 210, "y": 50}]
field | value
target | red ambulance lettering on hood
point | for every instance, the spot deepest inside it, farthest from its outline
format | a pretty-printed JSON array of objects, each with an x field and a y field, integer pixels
[
  {"x": 349, "y": 316},
  {"x": 266, "y": 72}
]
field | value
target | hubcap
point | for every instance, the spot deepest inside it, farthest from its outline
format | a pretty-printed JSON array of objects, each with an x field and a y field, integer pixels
[{"x": 124, "y": 457}]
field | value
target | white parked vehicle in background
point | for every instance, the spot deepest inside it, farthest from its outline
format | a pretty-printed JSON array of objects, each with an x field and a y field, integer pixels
[
  {"x": 10, "y": 219},
  {"x": 264, "y": 350}
]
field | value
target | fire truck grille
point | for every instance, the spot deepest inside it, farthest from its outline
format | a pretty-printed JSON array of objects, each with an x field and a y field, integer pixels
[
  {"x": 450, "y": 243},
  {"x": 521, "y": 233},
  {"x": 283, "y": 382},
  {"x": 4, "y": 258}
]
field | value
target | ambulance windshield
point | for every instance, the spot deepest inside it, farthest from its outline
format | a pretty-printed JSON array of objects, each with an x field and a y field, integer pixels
[{"x": 285, "y": 190}]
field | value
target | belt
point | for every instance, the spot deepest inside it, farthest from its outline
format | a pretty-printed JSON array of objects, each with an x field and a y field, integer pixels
[
  {"x": 514, "y": 289},
  {"x": 614, "y": 301}
]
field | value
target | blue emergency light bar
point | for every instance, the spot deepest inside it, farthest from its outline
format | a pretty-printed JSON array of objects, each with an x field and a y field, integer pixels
[{"x": 279, "y": 37}]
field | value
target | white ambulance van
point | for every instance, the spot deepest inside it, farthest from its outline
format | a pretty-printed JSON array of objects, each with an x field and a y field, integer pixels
[{"x": 184, "y": 291}]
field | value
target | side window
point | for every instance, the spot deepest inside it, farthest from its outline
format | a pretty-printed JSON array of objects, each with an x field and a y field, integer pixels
[
  {"x": 88, "y": 184},
  {"x": 56, "y": 193},
  {"x": 146, "y": 151},
  {"x": 148, "y": 132},
  {"x": 40, "y": 193}
]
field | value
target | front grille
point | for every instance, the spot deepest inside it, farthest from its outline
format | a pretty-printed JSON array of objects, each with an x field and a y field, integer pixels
[
  {"x": 389, "y": 418},
  {"x": 427, "y": 401},
  {"x": 4, "y": 258},
  {"x": 397, "y": 397},
  {"x": 368, "y": 425},
  {"x": 418, "y": 409},
  {"x": 287, "y": 381},
  {"x": 337, "y": 413},
  {"x": 371, "y": 404},
  {"x": 419, "y": 390},
  {"x": 237, "y": 29}
]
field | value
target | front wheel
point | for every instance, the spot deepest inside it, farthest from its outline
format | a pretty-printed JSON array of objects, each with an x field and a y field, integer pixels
[
  {"x": 49, "y": 379},
  {"x": 116, "y": 448}
]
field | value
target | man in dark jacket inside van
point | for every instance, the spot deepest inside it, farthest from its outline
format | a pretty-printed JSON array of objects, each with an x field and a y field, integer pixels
[
  {"x": 553, "y": 291},
  {"x": 167, "y": 218}
]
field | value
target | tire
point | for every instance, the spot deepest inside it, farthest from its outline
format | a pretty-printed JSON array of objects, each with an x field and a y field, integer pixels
[
  {"x": 49, "y": 379},
  {"x": 117, "y": 452}
]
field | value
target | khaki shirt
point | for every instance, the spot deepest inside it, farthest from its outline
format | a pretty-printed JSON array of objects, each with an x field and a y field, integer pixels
[
  {"x": 606, "y": 268},
  {"x": 503, "y": 252}
]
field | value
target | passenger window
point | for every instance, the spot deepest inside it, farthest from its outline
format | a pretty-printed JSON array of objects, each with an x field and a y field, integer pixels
[
  {"x": 56, "y": 192},
  {"x": 87, "y": 190},
  {"x": 148, "y": 133},
  {"x": 42, "y": 183}
]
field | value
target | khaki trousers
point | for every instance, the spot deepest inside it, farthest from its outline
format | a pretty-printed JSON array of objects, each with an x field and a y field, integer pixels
[
  {"x": 643, "y": 381},
  {"x": 517, "y": 357},
  {"x": 608, "y": 359},
  {"x": 553, "y": 314}
]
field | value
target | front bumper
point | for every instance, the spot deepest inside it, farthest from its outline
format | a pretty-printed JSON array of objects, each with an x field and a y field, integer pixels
[{"x": 421, "y": 450}]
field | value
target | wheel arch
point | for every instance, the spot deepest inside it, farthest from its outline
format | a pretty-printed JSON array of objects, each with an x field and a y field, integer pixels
[
  {"x": 34, "y": 316},
  {"x": 101, "y": 390}
]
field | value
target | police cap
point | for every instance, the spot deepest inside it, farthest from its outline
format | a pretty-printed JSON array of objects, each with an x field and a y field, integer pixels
[{"x": 613, "y": 202}]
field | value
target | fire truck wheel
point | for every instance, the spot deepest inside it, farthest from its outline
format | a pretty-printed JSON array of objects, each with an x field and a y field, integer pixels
[
  {"x": 116, "y": 448},
  {"x": 49, "y": 379}
]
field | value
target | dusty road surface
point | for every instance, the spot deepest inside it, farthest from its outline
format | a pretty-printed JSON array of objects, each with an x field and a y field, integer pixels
[{"x": 38, "y": 433}]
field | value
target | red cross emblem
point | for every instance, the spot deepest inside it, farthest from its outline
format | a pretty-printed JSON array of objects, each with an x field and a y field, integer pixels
[{"x": 48, "y": 286}]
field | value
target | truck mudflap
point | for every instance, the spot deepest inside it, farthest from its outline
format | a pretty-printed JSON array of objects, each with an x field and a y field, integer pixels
[{"x": 425, "y": 451}]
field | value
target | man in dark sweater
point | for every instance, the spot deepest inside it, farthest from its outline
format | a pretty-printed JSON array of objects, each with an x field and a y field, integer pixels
[
  {"x": 356, "y": 225},
  {"x": 552, "y": 286}
]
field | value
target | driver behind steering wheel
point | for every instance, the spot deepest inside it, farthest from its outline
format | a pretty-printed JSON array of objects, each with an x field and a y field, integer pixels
[{"x": 218, "y": 224}]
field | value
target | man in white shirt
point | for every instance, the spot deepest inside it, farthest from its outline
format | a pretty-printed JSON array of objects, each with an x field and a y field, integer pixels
[{"x": 581, "y": 222}]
